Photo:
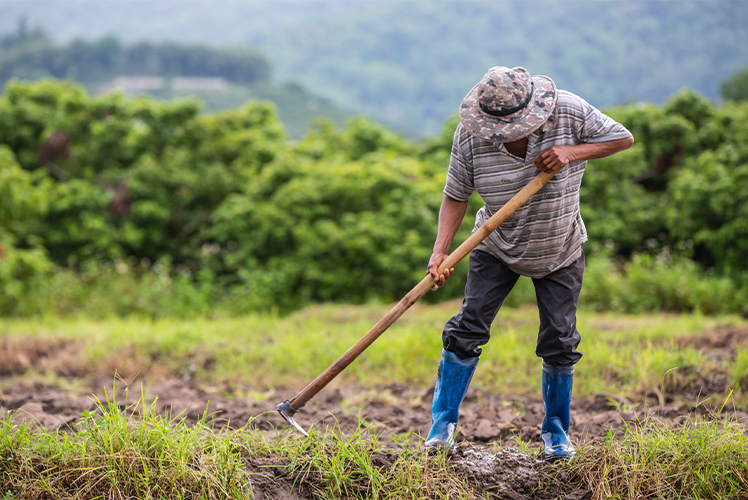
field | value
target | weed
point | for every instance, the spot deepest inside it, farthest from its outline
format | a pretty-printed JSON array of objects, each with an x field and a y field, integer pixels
[
  {"x": 523, "y": 446},
  {"x": 115, "y": 455},
  {"x": 620, "y": 405}
]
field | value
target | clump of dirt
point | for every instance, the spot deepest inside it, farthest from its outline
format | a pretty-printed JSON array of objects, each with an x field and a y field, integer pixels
[
  {"x": 512, "y": 475},
  {"x": 68, "y": 358},
  {"x": 506, "y": 474},
  {"x": 270, "y": 478}
]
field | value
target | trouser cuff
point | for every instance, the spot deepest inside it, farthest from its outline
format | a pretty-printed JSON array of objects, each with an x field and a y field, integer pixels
[
  {"x": 558, "y": 369},
  {"x": 451, "y": 357}
]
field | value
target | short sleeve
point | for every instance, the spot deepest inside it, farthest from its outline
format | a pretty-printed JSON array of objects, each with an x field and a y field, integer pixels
[
  {"x": 598, "y": 127},
  {"x": 460, "y": 175}
]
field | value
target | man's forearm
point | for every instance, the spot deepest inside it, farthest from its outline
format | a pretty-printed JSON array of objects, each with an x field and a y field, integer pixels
[
  {"x": 451, "y": 214},
  {"x": 595, "y": 150}
]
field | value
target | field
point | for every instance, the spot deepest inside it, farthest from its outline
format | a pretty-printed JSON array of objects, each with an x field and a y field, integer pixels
[
  {"x": 164, "y": 274},
  {"x": 136, "y": 407}
]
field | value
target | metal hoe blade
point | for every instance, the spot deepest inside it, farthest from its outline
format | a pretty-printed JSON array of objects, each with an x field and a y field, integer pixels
[{"x": 287, "y": 411}]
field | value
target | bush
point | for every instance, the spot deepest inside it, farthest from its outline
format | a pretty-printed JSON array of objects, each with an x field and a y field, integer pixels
[
  {"x": 237, "y": 218},
  {"x": 22, "y": 269},
  {"x": 649, "y": 283}
]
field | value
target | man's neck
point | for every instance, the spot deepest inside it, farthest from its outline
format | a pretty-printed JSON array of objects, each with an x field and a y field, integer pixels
[{"x": 518, "y": 147}]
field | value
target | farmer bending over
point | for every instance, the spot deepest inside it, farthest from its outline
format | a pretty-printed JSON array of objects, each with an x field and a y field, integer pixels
[{"x": 512, "y": 124}]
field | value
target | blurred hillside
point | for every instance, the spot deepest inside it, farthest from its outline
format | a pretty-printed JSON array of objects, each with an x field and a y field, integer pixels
[
  {"x": 409, "y": 63},
  {"x": 221, "y": 78}
]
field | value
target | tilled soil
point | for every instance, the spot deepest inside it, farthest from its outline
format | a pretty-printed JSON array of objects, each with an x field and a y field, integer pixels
[{"x": 485, "y": 418}]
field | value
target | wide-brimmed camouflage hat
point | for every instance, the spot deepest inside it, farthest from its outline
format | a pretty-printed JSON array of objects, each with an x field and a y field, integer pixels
[{"x": 508, "y": 104}]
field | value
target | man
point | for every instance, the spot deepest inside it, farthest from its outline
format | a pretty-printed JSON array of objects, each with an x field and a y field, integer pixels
[{"x": 511, "y": 125}]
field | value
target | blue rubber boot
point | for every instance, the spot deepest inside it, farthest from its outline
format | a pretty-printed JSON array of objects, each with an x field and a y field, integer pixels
[
  {"x": 557, "y": 382},
  {"x": 452, "y": 382}
]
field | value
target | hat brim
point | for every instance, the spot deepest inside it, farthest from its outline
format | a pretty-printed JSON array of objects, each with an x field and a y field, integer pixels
[{"x": 511, "y": 127}]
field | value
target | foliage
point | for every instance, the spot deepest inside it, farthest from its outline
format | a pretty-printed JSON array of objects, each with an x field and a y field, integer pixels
[
  {"x": 659, "y": 282},
  {"x": 709, "y": 197},
  {"x": 679, "y": 186},
  {"x": 617, "y": 210},
  {"x": 129, "y": 177},
  {"x": 736, "y": 87},
  {"x": 20, "y": 200},
  {"x": 342, "y": 214},
  {"x": 134, "y": 206}
]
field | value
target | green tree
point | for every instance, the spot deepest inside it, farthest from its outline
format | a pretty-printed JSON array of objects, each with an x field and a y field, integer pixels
[
  {"x": 23, "y": 197},
  {"x": 347, "y": 217},
  {"x": 709, "y": 193},
  {"x": 130, "y": 176},
  {"x": 736, "y": 87}
]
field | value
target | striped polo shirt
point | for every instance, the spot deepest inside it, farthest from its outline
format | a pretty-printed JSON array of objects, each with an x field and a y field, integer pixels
[{"x": 547, "y": 232}]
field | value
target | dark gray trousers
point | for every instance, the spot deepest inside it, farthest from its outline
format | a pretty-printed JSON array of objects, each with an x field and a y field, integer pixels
[{"x": 489, "y": 282}]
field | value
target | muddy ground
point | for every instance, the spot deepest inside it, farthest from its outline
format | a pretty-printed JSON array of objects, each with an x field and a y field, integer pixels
[{"x": 490, "y": 423}]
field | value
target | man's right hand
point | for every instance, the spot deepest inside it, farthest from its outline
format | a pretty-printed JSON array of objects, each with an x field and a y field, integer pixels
[
  {"x": 451, "y": 214},
  {"x": 436, "y": 259}
]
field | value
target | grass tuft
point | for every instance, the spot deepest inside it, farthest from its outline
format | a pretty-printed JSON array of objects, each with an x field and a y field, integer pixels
[
  {"x": 115, "y": 456},
  {"x": 698, "y": 459},
  {"x": 336, "y": 465}
]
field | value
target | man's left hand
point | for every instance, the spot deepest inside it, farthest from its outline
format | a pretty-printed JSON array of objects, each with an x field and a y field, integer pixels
[{"x": 554, "y": 158}]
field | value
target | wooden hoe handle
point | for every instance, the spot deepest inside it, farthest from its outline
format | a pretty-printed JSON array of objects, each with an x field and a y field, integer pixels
[{"x": 419, "y": 290}]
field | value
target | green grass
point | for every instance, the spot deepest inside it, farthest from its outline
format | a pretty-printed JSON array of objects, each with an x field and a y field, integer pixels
[{"x": 628, "y": 355}]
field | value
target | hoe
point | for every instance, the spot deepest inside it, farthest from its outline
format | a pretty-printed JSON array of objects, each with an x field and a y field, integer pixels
[{"x": 288, "y": 408}]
